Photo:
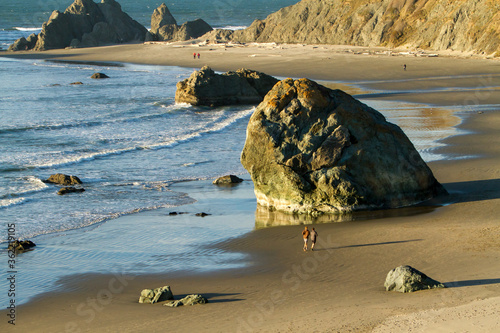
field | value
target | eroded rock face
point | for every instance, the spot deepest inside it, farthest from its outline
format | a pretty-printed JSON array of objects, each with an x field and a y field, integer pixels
[
  {"x": 85, "y": 23},
  {"x": 164, "y": 27},
  {"x": 205, "y": 87},
  {"x": 472, "y": 25},
  {"x": 407, "y": 279},
  {"x": 310, "y": 149},
  {"x": 161, "y": 16}
]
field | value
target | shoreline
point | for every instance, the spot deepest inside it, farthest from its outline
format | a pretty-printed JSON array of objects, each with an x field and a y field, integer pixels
[{"x": 286, "y": 288}]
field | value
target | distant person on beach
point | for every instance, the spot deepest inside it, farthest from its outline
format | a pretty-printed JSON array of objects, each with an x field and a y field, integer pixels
[
  {"x": 194, "y": 55},
  {"x": 314, "y": 235},
  {"x": 198, "y": 56},
  {"x": 305, "y": 235},
  {"x": 404, "y": 66}
]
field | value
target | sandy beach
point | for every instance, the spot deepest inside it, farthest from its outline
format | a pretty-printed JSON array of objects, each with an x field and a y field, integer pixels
[{"x": 339, "y": 287}]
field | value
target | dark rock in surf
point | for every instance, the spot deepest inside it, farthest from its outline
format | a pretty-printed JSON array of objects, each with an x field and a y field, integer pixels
[
  {"x": 62, "y": 179},
  {"x": 99, "y": 76},
  {"x": 227, "y": 180},
  {"x": 21, "y": 246},
  {"x": 67, "y": 190},
  {"x": 202, "y": 214}
]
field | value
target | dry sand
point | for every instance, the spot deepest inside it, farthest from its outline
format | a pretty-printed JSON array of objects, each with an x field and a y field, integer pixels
[{"x": 338, "y": 288}]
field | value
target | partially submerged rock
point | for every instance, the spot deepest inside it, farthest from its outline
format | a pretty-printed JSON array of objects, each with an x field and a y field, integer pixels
[
  {"x": 99, "y": 76},
  {"x": 227, "y": 180},
  {"x": 407, "y": 279},
  {"x": 62, "y": 179},
  {"x": 21, "y": 245},
  {"x": 310, "y": 149},
  {"x": 151, "y": 296},
  {"x": 66, "y": 190},
  {"x": 205, "y": 87},
  {"x": 188, "y": 300}
]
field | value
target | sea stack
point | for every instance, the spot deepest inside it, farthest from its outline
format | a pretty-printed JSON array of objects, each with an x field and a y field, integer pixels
[{"x": 310, "y": 149}]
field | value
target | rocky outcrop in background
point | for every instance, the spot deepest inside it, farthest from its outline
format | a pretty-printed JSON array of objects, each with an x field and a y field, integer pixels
[
  {"x": 164, "y": 27},
  {"x": 83, "y": 24},
  {"x": 310, "y": 149},
  {"x": 205, "y": 87},
  {"x": 461, "y": 25}
]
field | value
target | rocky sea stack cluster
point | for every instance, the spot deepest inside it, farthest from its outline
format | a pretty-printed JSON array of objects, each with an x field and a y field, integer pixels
[
  {"x": 310, "y": 149},
  {"x": 164, "y": 27},
  {"x": 84, "y": 24}
]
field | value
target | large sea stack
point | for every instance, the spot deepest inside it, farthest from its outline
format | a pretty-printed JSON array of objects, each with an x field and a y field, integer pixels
[
  {"x": 469, "y": 26},
  {"x": 164, "y": 27},
  {"x": 83, "y": 24},
  {"x": 310, "y": 149}
]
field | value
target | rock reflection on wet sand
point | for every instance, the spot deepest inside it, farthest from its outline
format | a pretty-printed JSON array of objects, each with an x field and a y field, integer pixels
[{"x": 265, "y": 218}]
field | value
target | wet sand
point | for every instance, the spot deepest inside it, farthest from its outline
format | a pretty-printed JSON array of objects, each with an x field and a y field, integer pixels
[{"x": 338, "y": 288}]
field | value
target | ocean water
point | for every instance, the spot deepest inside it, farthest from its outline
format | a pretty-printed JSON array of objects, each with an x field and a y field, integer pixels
[{"x": 22, "y": 18}]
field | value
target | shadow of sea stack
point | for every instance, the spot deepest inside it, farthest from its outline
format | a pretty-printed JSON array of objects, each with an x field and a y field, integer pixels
[{"x": 310, "y": 149}]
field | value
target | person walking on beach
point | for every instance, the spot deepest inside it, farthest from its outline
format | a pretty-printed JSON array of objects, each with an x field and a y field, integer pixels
[
  {"x": 305, "y": 235},
  {"x": 314, "y": 235},
  {"x": 194, "y": 55},
  {"x": 198, "y": 56},
  {"x": 404, "y": 66}
]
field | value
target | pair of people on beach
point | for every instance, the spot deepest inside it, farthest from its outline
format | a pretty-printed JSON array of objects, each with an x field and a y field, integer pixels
[
  {"x": 306, "y": 234},
  {"x": 194, "y": 55}
]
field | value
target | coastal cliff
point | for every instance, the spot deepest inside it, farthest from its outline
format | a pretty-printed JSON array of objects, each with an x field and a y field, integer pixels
[{"x": 460, "y": 25}]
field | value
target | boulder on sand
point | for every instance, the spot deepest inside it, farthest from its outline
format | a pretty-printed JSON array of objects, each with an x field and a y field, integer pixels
[
  {"x": 188, "y": 300},
  {"x": 151, "y": 296},
  {"x": 310, "y": 149},
  {"x": 205, "y": 87},
  {"x": 407, "y": 279}
]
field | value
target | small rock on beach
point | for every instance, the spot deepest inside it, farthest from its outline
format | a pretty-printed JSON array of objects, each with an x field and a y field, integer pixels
[
  {"x": 407, "y": 279},
  {"x": 188, "y": 300},
  {"x": 151, "y": 296}
]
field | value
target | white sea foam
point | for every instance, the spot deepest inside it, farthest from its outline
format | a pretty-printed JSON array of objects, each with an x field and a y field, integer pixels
[
  {"x": 4, "y": 203},
  {"x": 27, "y": 29},
  {"x": 216, "y": 126}
]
